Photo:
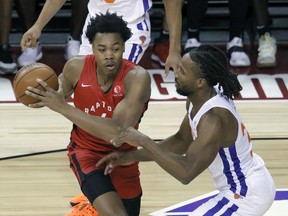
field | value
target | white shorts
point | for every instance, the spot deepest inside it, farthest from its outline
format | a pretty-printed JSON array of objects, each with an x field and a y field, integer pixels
[
  {"x": 260, "y": 196},
  {"x": 135, "y": 47}
]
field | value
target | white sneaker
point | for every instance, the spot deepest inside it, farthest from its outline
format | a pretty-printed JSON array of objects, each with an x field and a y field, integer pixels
[
  {"x": 266, "y": 51},
  {"x": 30, "y": 55},
  {"x": 190, "y": 44},
  {"x": 72, "y": 48},
  {"x": 238, "y": 58}
]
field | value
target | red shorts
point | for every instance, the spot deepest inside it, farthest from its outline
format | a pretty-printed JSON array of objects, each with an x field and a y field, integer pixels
[{"x": 124, "y": 178}]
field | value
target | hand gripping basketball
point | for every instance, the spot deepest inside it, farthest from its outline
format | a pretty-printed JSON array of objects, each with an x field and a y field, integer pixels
[{"x": 27, "y": 76}]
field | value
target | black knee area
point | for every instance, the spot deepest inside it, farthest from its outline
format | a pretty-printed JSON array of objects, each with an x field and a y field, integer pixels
[
  {"x": 133, "y": 205},
  {"x": 96, "y": 184}
]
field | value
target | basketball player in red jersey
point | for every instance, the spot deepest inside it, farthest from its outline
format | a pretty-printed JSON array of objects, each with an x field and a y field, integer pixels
[{"x": 110, "y": 93}]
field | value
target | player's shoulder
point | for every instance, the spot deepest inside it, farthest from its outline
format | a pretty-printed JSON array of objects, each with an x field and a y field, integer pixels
[
  {"x": 138, "y": 77},
  {"x": 75, "y": 63},
  {"x": 138, "y": 71},
  {"x": 73, "y": 67},
  {"x": 219, "y": 115},
  {"x": 76, "y": 60}
]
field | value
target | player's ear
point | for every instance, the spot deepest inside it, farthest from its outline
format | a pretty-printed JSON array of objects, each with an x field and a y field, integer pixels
[{"x": 202, "y": 81}]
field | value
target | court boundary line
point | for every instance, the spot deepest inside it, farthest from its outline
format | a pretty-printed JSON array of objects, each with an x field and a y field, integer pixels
[{"x": 61, "y": 150}]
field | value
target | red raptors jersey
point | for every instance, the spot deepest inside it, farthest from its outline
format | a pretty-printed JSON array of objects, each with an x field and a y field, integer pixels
[{"x": 89, "y": 97}]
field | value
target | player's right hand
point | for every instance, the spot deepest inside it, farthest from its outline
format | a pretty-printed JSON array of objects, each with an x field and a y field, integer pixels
[
  {"x": 30, "y": 38},
  {"x": 113, "y": 160}
]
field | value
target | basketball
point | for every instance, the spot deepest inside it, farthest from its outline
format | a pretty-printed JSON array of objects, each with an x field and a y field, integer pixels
[{"x": 28, "y": 75}]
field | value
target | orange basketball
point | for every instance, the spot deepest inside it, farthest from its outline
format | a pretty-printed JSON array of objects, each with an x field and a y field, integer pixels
[{"x": 28, "y": 75}]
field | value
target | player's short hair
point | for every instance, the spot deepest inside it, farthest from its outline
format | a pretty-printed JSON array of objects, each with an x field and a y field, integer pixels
[{"x": 107, "y": 23}]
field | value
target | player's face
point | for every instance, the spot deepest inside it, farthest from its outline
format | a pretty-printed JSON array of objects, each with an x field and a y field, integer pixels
[
  {"x": 108, "y": 49},
  {"x": 187, "y": 76}
]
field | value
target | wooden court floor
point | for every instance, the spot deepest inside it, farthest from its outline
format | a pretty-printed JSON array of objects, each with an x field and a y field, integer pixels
[{"x": 35, "y": 179}]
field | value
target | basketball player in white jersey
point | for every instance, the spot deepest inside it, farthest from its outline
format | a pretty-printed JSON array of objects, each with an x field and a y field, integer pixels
[
  {"x": 212, "y": 135},
  {"x": 134, "y": 12}
]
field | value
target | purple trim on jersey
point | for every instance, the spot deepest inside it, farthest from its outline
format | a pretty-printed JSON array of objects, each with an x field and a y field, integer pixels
[
  {"x": 147, "y": 27},
  {"x": 226, "y": 170},
  {"x": 133, "y": 56},
  {"x": 221, "y": 203},
  {"x": 146, "y": 5},
  {"x": 185, "y": 208},
  {"x": 230, "y": 210},
  {"x": 237, "y": 168},
  {"x": 140, "y": 26},
  {"x": 139, "y": 52},
  {"x": 132, "y": 53}
]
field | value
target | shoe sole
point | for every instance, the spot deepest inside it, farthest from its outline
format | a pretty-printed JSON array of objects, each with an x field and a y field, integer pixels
[
  {"x": 243, "y": 65},
  {"x": 157, "y": 59},
  {"x": 239, "y": 66},
  {"x": 8, "y": 72},
  {"x": 4, "y": 71},
  {"x": 38, "y": 57},
  {"x": 268, "y": 65}
]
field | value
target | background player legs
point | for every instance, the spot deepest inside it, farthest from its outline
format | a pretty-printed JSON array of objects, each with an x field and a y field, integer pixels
[
  {"x": 196, "y": 11},
  {"x": 79, "y": 14},
  {"x": 7, "y": 64},
  {"x": 26, "y": 10},
  {"x": 267, "y": 43},
  {"x": 236, "y": 52}
]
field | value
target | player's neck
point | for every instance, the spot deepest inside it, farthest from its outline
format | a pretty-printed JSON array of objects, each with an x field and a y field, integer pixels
[{"x": 202, "y": 97}]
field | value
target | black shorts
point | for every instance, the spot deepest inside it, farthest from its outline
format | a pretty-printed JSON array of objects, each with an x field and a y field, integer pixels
[
  {"x": 92, "y": 191},
  {"x": 125, "y": 179}
]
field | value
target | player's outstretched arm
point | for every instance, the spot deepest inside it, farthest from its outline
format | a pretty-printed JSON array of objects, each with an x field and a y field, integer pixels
[
  {"x": 199, "y": 154},
  {"x": 127, "y": 113},
  {"x": 32, "y": 35},
  {"x": 177, "y": 143},
  {"x": 173, "y": 13}
]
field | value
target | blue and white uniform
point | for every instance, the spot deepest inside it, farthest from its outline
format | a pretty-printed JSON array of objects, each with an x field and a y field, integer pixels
[
  {"x": 135, "y": 13},
  {"x": 245, "y": 185}
]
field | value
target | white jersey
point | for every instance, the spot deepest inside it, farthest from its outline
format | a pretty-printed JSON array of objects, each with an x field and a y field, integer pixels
[
  {"x": 132, "y": 11},
  {"x": 236, "y": 168},
  {"x": 135, "y": 13}
]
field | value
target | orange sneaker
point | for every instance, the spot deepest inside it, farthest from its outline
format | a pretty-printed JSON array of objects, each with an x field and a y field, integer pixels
[
  {"x": 160, "y": 51},
  {"x": 83, "y": 209},
  {"x": 78, "y": 199}
]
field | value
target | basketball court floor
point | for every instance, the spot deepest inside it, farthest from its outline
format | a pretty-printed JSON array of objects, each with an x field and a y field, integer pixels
[{"x": 35, "y": 178}]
